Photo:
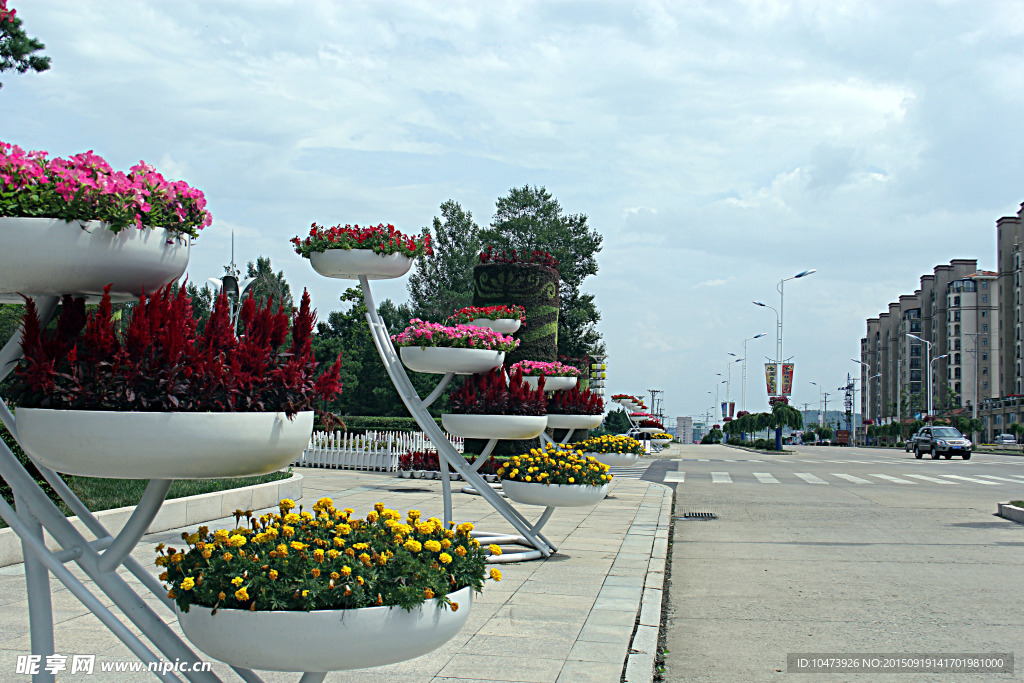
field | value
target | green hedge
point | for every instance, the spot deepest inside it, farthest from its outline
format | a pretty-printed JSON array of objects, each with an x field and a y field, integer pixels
[
  {"x": 531, "y": 286},
  {"x": 363, "y": 423}
]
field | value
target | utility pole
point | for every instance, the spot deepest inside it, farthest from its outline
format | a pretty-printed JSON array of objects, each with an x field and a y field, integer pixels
[{"x": 656, "y": 402}]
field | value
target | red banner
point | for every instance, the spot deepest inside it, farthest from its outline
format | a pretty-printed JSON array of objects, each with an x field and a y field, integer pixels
[
  {"x": 787, "y": 379},
  {"x": 770, "y": 378}
]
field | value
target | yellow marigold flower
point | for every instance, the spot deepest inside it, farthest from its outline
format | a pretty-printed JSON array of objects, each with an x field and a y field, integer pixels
[
  {"x": 454, "y": 606},
  {"x": 495, "y": 549},
  {"x": 372, "y": 517},
  {"x": 177, "y": 557},
  {"x": 337, "y": 542},
  {"x": 364, "y": 558},
  {"x": 171, "y": 594},
  {"x": 460, "y": 551},
  {"x": 391, "y": 515},
  {"x": 318, "y": 555},
  {"x": 433, "y": 546},
  {"x": 286, "y": 504},
  {"x": 298, "y": 545},
  {"x": 465, "y": 528},
  {"x": 360, "y": 546},
  {"x": 496, "y": 575},
  {"x": 188, "y": 584},
  {"x": 413, "y": 545},
  {"x": 227, "y": 557},
  {"x": 445, "y": 543},
  {"x": 379, "y": 507},
  {"x": 346, "y": 571},
  {"x": 529, "y": 478},
  {"x": 324, "y": 503},
  {"x": 360, "y": 580},
  {"x": 222, "y": 595},
  {"x": 332, "y": 554},
  {"x": 207, "y": 553},
  {"x": 292, "y": 518},
  {"x": 445, "y": 558},
  {"x": 193, "y": 539},
  {"x": 237, "y": 581},
  {"x": 273, "y": 575},
  {"x": 242, "y": 594},
  {"x": 475, "y": 543},
  {"x": 163, "y": 576},
  {"x": 344, "y": 529},
  {"x": 237, "y": 541},
  {"x": 427, "y": 593},
  {"x": 350, "y": 552},
  {"x": 220, "y": 535},
  {"x": 335, "y": 575},
  {"x": 315, "y": 571},
  {"x": 288, "y": 531}
]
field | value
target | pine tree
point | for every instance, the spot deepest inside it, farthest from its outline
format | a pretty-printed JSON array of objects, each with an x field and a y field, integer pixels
[
  {"x": 444, "y": 283},
  {"x": 16, "y": 47}
]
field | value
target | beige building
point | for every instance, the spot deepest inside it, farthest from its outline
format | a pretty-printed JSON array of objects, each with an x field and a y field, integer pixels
[{"x": 899, "y": 361}]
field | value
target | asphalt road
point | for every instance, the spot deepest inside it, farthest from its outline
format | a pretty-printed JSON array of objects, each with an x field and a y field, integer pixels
[{"x": 840, "y": 551}]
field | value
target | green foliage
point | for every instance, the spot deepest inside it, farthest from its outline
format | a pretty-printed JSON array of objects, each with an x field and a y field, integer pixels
[
  {"x": 443, "y": 284},
  {"x": 531, "y": 218},
  {"x": 616, "y": 422},
  {"x": 269, "y": 284},
  {"x": 202, "y": 303},
  {"x": 17, "y": 49},
  {"x": 363, "y": 423}
]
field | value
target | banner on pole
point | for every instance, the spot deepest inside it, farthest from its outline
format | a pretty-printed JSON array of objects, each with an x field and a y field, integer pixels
[
  {"x": 725, "y": 407},
  {"x": 770, "y": 378},
  {"x": 787, "y": 379},
  {"x": 732, "y": 408}
]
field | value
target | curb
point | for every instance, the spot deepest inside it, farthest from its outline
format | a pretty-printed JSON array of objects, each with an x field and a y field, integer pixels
[
  {"x": 175, "y": 513},
  {"x": 643, "y": 647},
  {"x": 1010, "y": 512}
]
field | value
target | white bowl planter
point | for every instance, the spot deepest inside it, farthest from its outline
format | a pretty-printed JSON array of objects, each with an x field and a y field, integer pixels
[
  {"x": 51, "y": 257},
  {"x": 551, "y": 383},
  {"x": 651, "y": 430},
  {"x": 501, "y": 325},
  {"x": 660, "y": 442},
  {"x": 553, "y": 495},
  {"x": 324, "y": 640},
  {"x": 349, "y": 264},
  {"x": 494, "y": 426},
  {"x": 574, "y": 421},
  {"x": 615, "y": 459},
  {"x": 138, "y": 445},
  {"x": 441, "y": 360}
]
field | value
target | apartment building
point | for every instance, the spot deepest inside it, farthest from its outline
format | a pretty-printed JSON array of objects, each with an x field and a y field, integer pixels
[{"x": 894, "y": 376}]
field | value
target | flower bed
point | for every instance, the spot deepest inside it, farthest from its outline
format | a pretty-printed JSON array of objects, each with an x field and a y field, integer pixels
[
  {"x": 323, "y": 559},
  {"x": 610, "y": 444},
  {"x": 555, "y": 464},
  {"x": 84, "y": 187},
  {"x": 426, "y": 334},
  {"x": 575, "y": 402},
  {"x": 380, "y": 239},
  {"x": 465, "y": 316},
  {"x": 495, "y": 394},
  {"x": 536, "y": 368}
]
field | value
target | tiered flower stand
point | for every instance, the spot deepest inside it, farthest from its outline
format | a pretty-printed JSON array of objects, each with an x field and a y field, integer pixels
[{"x": 45, "y": 259}]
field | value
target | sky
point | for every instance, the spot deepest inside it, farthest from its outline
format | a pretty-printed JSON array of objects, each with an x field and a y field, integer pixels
[{"x": 718, "y": 147}]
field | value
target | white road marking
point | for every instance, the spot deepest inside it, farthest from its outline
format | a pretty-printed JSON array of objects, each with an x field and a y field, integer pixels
[
  {"x": 895, "y": 480},
  {"x": 992, "y": 476},
  {"x": 810, "y": 478},
  {"x": 675, "y": 477},
  {"x": 851, "y": 478},
  {"x": 720, "y": 478},
  {"x": 973, "y": 481},
  {"x": 931, "y": 479},
  {"x": 765, "y": 478}
]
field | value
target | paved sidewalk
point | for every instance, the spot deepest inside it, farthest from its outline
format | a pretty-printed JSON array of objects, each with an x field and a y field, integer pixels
[{"x": 574, "y": 617}]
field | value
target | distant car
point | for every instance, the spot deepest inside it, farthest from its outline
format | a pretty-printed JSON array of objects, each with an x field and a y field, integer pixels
[
  {"x": 944, "y": 441},
  {"x": 1005, "y": 439},
  {"x": 910, "y": 443},
  {"x": 825, "y": 442}
]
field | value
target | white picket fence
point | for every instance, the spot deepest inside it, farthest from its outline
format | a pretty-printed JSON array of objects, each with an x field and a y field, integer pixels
[{"x": 374, "y": 451}]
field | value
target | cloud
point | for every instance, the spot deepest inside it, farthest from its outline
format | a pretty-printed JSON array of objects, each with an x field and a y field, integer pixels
[{"x": 718, "y": 282}]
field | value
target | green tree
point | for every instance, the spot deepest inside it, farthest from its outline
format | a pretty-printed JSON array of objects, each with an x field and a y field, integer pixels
[
  {"x": 617, "y": 422},
  {"x": 268, "y": 284},
  {"x": 530, "y": 218},
  {"x": 17, "y": 49},
  {"x": 443, "y": 283},
  {"x": 202, "y": 303},
  {"x": 1015, "y": 428},
  {"x": 784, "y": 415}
]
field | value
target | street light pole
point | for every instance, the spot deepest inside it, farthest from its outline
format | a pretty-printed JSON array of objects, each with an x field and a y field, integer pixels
[
  {"x": 782, "y": 308},
  {"x": 779, "y": 322},
  {"x": 945, "y": 355},
  {"x": 744, "y": 393},
  {"x": 927, "y": 367}
]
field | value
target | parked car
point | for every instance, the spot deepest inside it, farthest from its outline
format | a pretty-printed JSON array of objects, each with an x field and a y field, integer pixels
[
  {"x": 1005, "y": 439},
  {"x": 910, "y": 443},
  {"x": 944, "y": 441}
]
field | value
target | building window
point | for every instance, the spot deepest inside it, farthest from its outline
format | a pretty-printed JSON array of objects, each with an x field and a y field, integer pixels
[
  {"x": 915, "y": 363},
  {"x": 956, "y": 329},
  {"x": 956, "y": 359},
  {"x": 956, "y": 374},
  {"x": 956, "y": 387},
  {"x": 984, "y": 341},
  {"x": 984, "y": 385},
  {"x": 984, "y": 285},
  {"x": 998, "y": 419},
  {"x": 957, "y": 345},
  {"x": 956, "y": 316},
  {"x": 984, "y": 327},
  {"x": 984, "y": 314},
  {"x": 956, "y": 300},
  {"x": 984, "y": 298},
  {"x": 984, "y": 371}
]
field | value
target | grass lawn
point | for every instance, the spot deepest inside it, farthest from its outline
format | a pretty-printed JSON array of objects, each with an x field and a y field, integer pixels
[
  {"x": 1017, "y": 503},
  {"x": 106, "y": 494}
]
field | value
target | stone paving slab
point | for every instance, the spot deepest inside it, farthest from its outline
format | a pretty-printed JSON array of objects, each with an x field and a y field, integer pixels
[{"x": 573, "y": 617}]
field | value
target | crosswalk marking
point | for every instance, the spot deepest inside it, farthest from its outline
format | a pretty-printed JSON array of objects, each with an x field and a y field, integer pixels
[
  {"x": 675, "y": 477},
  {"x": 850, "y": 478},
  {"x": 810, "y": 478},
  {"x": 895, "y": 480},
  {"x": 720, "y": 478},
  {"x": 931, "y": 479},
  {"x": 991, "y": 476},
  {"x": 1016, "y": 476},
  {"x": 765, "y": 478},
  {"x": 973, "y": 481},
  {"x": 755, "y": 461}
]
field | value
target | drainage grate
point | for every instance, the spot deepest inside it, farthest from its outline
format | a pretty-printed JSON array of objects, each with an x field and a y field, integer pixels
[
  {"x": 407, "y": 490},
  {"x": 697, "y": 516}
]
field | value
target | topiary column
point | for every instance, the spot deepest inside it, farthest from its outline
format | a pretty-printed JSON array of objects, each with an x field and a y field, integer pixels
[{"x": 535, "y": 288}]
